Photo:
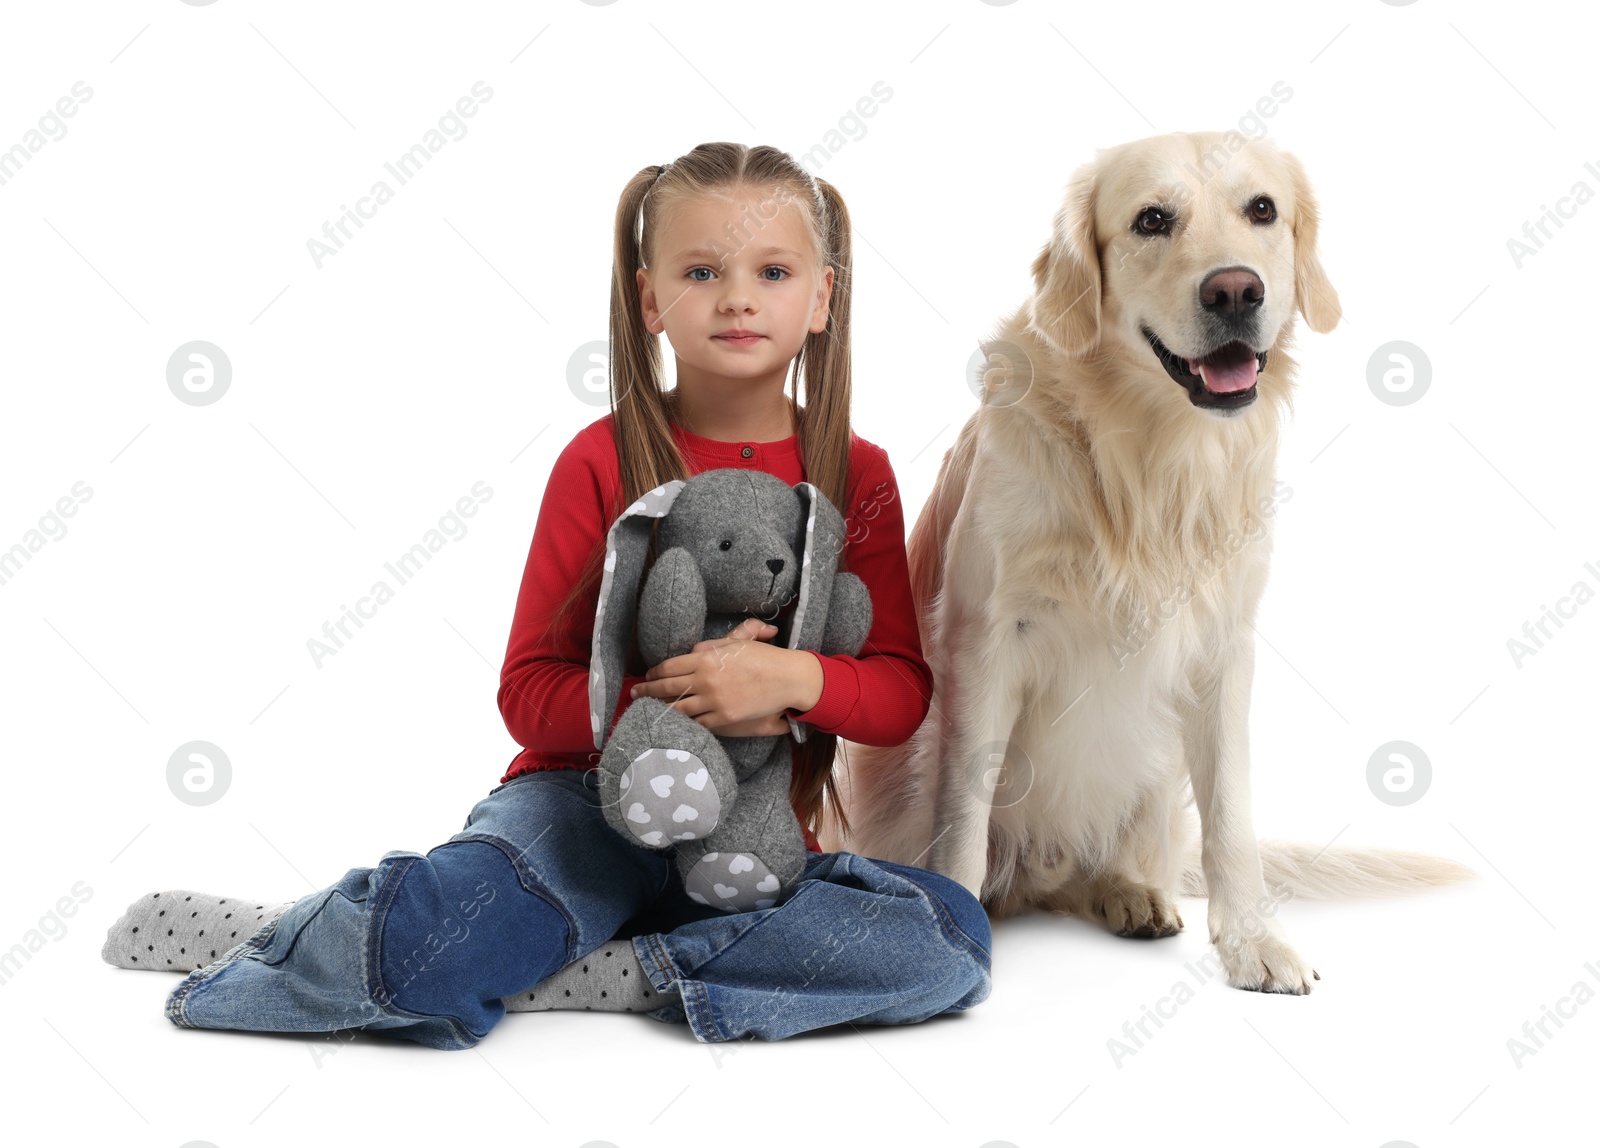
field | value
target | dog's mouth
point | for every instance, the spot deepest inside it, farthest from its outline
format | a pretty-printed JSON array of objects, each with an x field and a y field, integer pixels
[{"x": 1222, "y": 380}]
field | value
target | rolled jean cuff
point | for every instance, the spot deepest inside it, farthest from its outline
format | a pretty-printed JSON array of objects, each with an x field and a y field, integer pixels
[
  {"x": 254, "y": 943},
  {"x": 692, "y": 1006}
]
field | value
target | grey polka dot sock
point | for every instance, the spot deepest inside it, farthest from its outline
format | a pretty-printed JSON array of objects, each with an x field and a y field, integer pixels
[
  {"x": 610, "y": 979},
  {"x": 179, "y": 930}
]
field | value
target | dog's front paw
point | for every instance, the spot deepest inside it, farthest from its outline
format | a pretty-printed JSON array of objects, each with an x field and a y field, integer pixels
[{"x": 1265, "y": 964}]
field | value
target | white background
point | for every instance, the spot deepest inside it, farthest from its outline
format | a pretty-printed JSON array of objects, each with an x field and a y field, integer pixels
[{"x": 429, "y": 354}]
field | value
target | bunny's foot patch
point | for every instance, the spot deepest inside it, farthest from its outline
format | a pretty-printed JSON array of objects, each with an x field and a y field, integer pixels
[
  {"x": 668, "y": 796},
  {"x": 736, "y": 882}
]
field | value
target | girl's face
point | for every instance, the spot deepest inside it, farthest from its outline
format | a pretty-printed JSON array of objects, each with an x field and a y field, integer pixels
[{"x": 726, "y": 265}]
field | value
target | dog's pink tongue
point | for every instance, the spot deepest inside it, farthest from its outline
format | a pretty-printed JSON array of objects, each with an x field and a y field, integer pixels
[{"x": 1221, "y": 378}]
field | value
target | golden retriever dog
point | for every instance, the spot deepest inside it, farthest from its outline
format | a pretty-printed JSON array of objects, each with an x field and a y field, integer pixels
[{"x": 1087, "y": 570}]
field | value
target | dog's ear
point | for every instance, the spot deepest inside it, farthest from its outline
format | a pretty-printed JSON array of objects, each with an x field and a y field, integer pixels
[
  {"x": 615, "y": 612},
  {"x": 1314, "y": 294},
  {"x": 1065, "y": 309}
]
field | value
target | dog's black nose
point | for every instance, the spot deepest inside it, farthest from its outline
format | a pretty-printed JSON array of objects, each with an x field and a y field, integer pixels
[
  {"x": 775, "y": 564},
  {"x": 1233, "y": 293}
]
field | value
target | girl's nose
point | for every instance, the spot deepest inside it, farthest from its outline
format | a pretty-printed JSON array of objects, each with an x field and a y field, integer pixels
[{"x": 736, "y": 295}]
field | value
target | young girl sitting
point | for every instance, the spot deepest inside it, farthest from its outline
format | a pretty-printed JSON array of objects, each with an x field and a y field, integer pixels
[{"x": 742, "y": 259}]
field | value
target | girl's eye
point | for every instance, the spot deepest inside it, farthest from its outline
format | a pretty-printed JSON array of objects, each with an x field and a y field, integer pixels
[
  {"x": 783, "y": 274},
  {"x": 725, "y": 545}
]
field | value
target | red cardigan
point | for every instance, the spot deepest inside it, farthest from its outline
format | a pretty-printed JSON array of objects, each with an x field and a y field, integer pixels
[{"x": 877, "y": 698}]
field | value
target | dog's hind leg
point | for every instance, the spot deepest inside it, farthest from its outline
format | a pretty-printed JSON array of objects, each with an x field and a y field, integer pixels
[
  {"x": 1129, "y": 908},
  {"x": 1137, "y": 895}
]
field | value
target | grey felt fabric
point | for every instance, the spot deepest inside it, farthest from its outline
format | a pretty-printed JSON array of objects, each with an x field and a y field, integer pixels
[
  {"x": 616, "y": 609},
  {"x": 672, "y": 610},
  {"x": 667, "y": 795},
  {"x": 851, "y": 614},
  {"x": 717, "y": 872},
  {"x": 732, "y": 544}
]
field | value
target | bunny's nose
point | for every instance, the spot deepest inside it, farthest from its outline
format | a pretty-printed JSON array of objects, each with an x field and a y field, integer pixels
[{"x": 775, "y": 564}]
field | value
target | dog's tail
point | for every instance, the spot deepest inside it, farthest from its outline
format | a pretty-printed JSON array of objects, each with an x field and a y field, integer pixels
[{"x": 1332, "y": 872}]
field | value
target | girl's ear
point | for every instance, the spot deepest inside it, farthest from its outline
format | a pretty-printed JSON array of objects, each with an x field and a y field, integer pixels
[
  {"x": 1314, "y": 294},
  {"x": 819, "y": 311},
  {"x": 648, "y": 307},
  {"x": 1065, "y": 309},
  {"x": 615, "y": 613}
]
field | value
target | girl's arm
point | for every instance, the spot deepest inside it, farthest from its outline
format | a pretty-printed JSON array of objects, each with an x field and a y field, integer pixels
[
  {"x": 881, "y": 695},
  {"x": 544, "y": 685}
]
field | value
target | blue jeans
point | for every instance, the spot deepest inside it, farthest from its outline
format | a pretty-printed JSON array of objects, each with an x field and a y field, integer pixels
[{"x": 426, "y": 946}]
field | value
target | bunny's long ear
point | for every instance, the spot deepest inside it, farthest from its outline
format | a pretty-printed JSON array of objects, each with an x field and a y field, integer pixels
[
  {"x": 614, "y": 615},
  {"x": 820, "y": 542},
  {"x": 822, "y": 538}
]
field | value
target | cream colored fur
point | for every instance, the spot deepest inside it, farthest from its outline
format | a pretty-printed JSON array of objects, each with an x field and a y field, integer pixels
[{"x": 1064, "y": 750}]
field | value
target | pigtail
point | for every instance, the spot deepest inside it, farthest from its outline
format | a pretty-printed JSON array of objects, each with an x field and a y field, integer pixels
[
  {"x": 646, "y": 451},
  {"x": 824, "y": 362}
]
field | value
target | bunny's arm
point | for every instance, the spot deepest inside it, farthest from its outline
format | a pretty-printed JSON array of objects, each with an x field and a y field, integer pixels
[
  {"x": 849, "y": 616},
  {"x": 672, "y": 609}
]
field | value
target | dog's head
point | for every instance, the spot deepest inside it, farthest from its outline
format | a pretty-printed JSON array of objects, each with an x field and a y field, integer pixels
[{"x": 1194, "y": 250}]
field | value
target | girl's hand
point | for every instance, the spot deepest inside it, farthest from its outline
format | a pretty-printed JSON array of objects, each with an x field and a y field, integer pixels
[{"x": 737, "y": 686}]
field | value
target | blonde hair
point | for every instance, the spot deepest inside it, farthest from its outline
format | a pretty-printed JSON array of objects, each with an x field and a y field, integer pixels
[{"x": 641, "y": 414}]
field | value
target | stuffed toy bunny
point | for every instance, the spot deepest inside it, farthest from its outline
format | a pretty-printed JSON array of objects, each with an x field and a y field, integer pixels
[{"x": 732, "y": 544}]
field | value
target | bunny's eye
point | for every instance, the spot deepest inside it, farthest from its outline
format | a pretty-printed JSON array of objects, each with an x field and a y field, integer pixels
[{"x": 725, "y": 545}]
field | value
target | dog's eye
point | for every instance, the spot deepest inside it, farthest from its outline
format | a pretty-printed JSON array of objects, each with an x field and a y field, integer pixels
[
  {"x": 725, "y": 545},
  {"x": 1153, "y": 221},
  {"x": 1263, "y": 210}
]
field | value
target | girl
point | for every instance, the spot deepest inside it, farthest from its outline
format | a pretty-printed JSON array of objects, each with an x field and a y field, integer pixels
[{"x": 742, "y": 259}]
